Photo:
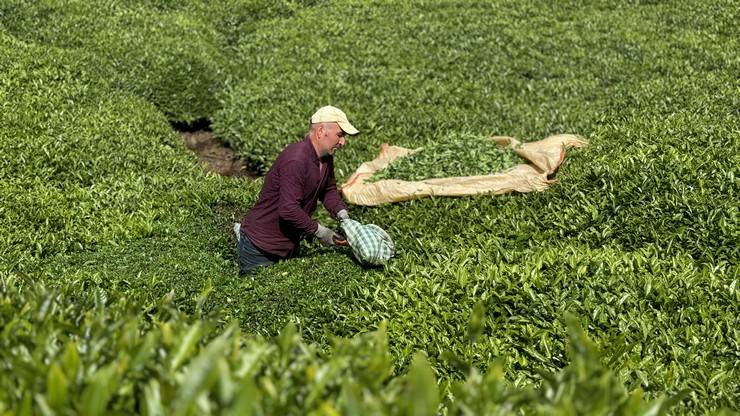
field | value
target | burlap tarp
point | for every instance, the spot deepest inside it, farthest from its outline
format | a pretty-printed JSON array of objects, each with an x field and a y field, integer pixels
[{"x": 542, "y": 159}]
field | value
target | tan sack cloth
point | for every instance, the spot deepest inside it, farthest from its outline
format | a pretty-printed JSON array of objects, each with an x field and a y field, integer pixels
[{"x": 543, "y": 157}]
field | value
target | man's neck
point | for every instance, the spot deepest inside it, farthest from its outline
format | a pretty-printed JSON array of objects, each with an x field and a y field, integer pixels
[{"x": 315, "y": 145}]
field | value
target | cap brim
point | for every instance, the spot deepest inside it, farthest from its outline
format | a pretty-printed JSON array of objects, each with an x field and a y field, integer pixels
[{"x": 348, "y": 128}]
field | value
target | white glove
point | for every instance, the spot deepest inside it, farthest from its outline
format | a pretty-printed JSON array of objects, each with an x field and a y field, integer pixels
[
  {"x": 343, "y": 215},
  {"x": 327, "y": 236}
]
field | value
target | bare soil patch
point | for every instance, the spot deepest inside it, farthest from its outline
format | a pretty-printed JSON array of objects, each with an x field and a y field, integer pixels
[{"x": 214, "y": 155}]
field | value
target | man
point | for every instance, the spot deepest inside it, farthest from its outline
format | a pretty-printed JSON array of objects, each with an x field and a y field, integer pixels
[{"x": 302, "y": 174}]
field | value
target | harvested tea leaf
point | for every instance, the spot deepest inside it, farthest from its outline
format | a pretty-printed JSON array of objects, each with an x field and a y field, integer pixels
[{"x": 455, "y": 155}]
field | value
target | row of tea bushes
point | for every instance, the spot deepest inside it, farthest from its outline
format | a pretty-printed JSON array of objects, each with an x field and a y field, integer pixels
[
  {"x": 87, "y": 168},
  {"x": 640, "y": 232},
  {"x": 75, "y": 349},
  {"x": 638, "y": 237},
  {"x": 173, "y": 54},
  {"x": 83, "y": 166},
  {"x": 413, "y": 73},
  {"x": 172, "y": 60}
]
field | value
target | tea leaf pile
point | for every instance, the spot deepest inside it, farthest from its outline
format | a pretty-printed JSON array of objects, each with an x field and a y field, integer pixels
[{"x": 462, "y": 155}]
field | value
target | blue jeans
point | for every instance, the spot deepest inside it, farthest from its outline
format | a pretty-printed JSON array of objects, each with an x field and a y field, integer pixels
[{"x": 250, "y": 257}]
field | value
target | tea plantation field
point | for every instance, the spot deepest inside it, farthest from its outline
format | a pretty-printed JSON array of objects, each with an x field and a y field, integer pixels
[{"x": 613, "y": 292}]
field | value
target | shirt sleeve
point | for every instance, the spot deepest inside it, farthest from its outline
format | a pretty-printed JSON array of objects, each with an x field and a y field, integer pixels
[
  {"x": 291, "y": 191},
  {"x": 330, "y": 195}
]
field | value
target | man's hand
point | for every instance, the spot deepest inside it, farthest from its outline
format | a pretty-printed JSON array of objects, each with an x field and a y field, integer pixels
[
  {"x": 327, "y": 236},
  {"x": 342, "y": 215}
]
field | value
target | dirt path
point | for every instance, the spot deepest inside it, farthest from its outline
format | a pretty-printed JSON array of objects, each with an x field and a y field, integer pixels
[{"x": 214, "y": 155}]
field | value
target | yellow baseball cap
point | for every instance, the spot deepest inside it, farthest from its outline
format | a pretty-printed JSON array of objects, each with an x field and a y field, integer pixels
[{"x": 330, "y": 114}]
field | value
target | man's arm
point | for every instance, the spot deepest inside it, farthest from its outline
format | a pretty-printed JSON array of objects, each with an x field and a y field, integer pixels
[
  {"x": 291, "y": 191},
  {"x": 330, "y": 195}
]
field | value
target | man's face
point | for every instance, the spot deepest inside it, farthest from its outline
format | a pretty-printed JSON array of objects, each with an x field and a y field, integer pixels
[{"x": 331, "y": 138}]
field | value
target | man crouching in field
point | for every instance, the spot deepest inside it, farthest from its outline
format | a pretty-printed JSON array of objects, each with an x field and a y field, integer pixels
[{"x": 302, "y": 174}]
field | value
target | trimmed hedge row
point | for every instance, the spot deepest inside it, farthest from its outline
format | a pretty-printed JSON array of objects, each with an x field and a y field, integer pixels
[
  {"x": 172, "y": 60},
  {"x": 640, "y": 233},
  {"x": 173, "y": 54},
  {"x": 99, "y": 199},
  {"x": 416, "y": 72},
  {"x": 84, "y": 166},
  {"x": 77, "y": 349}
]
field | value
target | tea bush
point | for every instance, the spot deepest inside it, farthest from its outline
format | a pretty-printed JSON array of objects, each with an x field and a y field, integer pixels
[
  {"x": 76, "y": 349},
  {"x": 84, "y": 166},
  {"x": 638, "y": 218},
  {"x": 170, "y": 59},
  {"x": 174, "y": 54},
  {"x": 413, "y": 73},
  {"x": 110, "y": 232}
]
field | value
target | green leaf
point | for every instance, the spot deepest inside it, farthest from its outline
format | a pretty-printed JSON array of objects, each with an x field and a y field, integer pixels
[
  {"x": 249, "y": 401},
  {"x": 71, "y": 360},
  {"x": 99, "y": 390},
  {"x": 186, "y": 345},
  {"x": 153, "y": 399},
  {"x": 422, "y": 394},
  {"x": 200, "y": 374},
  {"x": 56, "y": 386},
  {"x": 477, "y": 322}
]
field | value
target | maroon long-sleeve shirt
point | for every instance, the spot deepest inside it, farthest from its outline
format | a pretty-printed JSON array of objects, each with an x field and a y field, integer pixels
[{"x": 295, "y": 182}]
